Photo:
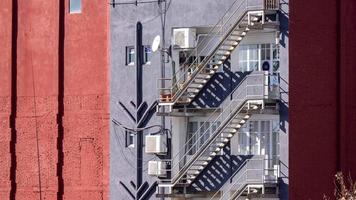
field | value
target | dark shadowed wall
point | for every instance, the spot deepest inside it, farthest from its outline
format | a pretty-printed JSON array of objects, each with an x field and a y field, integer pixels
[{"x": 322, "y": 99}]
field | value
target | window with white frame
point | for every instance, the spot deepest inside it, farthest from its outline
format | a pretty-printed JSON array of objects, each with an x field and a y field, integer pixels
[
  {"x": 204, "y": 132},
  {"x": 259, "y": 137},
  {"x": 129, "y": 139},
  {"x": 75, "y": 6},
  {"x": 275, "y": 57},
  {"x": 252, "y": 56},
  {"x": 249, "y": 57},
  {"x": 192, "y": 137},
  {"x": 265, "y": 51},
  {"x": 131, "y": 55},
  {"x": 147, "y": 55}
]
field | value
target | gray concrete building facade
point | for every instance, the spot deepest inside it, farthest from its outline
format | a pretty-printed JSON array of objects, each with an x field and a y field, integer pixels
[{"x": 236, "y": 117}]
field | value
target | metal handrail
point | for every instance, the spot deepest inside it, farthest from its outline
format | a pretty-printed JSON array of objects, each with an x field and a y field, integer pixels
[
  {"x": 232, "y": 109},
  {"x": 222, "y": 28},
  {"x": 243, "y": 183},
  {"x": 197, "y": 132},
  {"x": 181, "y": 79},
  {"x": 216, "y": 110}
]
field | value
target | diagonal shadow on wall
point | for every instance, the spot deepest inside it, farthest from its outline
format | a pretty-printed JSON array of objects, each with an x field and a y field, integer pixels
[
  {"x": 218, "y": 171},
  {"x": 218, "y": 88}
]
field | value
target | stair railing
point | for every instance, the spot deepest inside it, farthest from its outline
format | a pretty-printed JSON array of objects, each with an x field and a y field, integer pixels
[
  {"x": 252, "y": 87},
  {"x": 252, "y": 171},
  {"x": 192, "y": 66}
]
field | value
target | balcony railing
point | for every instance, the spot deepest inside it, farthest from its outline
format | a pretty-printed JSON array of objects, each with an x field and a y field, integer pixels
[
  {"x": 208, "y": 48},
  {"x": 258, "y": 170},
  {"x": 254, "y": 87}
]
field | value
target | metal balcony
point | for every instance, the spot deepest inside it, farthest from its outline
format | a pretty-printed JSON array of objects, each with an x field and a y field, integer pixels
[
  {"x": 201, "y": 148},
  {"x": 220, "y": 42}
]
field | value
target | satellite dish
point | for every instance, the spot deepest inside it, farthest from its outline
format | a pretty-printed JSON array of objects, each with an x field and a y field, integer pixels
[{"x": 155, "y": 43}]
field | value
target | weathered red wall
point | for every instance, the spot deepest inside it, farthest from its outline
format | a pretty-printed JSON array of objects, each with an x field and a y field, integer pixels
[
  {"x": 322, "y": 95},
  {"x": 5, "y": 93},
  {"x": 38, "y": 100}
]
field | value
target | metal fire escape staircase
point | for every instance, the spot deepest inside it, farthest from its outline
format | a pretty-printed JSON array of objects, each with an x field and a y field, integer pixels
[
  {"x": 219, "y": 43},
  {"x": 224, "y": 123},
  {"x": 251, "y": 176}
]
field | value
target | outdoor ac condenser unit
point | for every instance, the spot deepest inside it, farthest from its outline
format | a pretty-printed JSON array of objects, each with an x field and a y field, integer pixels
[
  {"x": 156, "y": 144},
  {"x": 184, "y": 38},
  {"x": 157, "y": 168}
]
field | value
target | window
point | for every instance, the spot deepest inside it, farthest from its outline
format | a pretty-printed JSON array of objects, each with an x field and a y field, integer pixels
[
  {"x": 265, "y": 52},
  {"x": 204, "y": 132},
  {"x": 259, "y": 138},
  {"x": 275, "y": 57},
  {"x": 243, "y": 141},
  {"x": 252, "y": 56},
  {"x": 192, "y": 139},
  {"x": 75, "y": 6},
  {"x": 249, "y": 57},
  {"x": 147, "y": 55},
  {"x": 131, "y": 55},
  {"x": 129, "y": 139},
  {"x": 255, "y": 139}
]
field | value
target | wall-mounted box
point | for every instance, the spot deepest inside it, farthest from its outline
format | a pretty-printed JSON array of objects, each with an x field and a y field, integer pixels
[
  {"x": 184, "y": 38},
  {"x": 156, "y": 144},
  {"x": 157, "y": 168}
]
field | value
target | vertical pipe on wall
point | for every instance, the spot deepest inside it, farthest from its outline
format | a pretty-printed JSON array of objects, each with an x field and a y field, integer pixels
[
  {"x": 163, "y": 66},
  {"x": 338, "y": 87},
  {"x": 139, "y": 93},
  {"x": 60, "y": 137},
  {"x": 13, "y": 99}
]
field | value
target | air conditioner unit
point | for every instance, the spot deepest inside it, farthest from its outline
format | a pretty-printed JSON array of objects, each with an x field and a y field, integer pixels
[
  {"x": 157, "y": 168},
  {"x": 156, "y": 144},
  {"x": 184, "y": 38}
]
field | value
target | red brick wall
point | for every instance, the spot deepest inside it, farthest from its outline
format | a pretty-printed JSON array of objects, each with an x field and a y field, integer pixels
[
  {"x": 5, "y": 93},
  {"x": 322, "y": 95},
  {"x": 39, "y": 61}
]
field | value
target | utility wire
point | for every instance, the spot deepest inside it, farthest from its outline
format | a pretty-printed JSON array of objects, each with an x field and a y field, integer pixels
[
  {"x": 113, "y": 3},
  {"x": 137, "y": 129},
  {"x": 37, "y": 137},
  {"x": 120, "y": 144}
]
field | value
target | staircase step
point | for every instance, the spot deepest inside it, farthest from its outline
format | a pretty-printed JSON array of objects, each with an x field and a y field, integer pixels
[
  {"x": 226, "y": 135},
  {"x": 191, "y": 95},
  {"x": 192, "y": 90},
  {"x": 223, "y": 139},
  {"x": 199, "y": 86},
  {"x": 197, "y": 167},
  {"x": 201, "y": 78},
  {"x": 200, "y": 81},
  {"x": 216, "y": 62},
  {"x": 224, "y": 52},
  {"x": 209, "y": 71},
  {"x": 222, "y": 57},
  {"x": 219, "y": 144},
  {"x": 231, "y": 43},
  {"x": 226, "y": 48},
  {"x": 234, "y": 126},
  {"x": 192, "y": 172},
  {"x": 204, "y": 75},
  {"x": 230, "y": 130}
]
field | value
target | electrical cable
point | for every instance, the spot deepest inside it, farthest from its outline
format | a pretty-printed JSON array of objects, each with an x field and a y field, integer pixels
[
  {"x": 120, "y": 144},
  {"x": 145, "y": 21},
  {"x": 36, "y": 130},
  {"x": 121, "y": 150},
  {"x": 136, "y": 129}
]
